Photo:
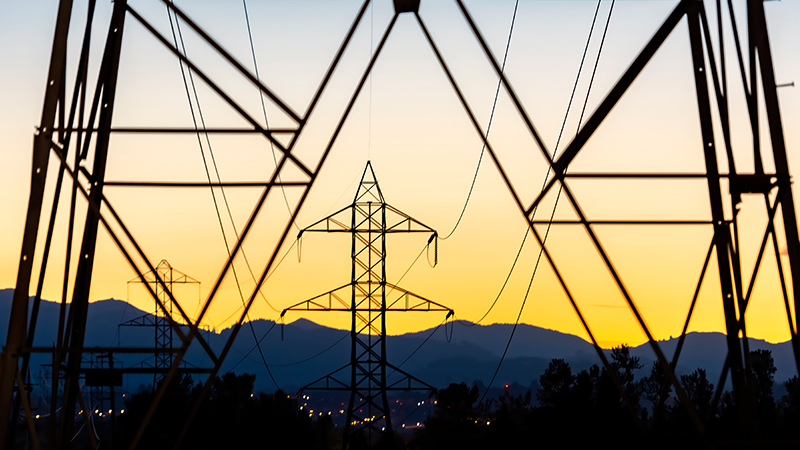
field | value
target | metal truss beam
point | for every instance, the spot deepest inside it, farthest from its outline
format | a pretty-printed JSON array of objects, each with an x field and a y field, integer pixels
[
  {"x": 367, "y": 316},
  {"x": 18, "y": 318}
]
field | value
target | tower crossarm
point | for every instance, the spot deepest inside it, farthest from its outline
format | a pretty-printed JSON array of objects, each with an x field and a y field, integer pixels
[
  {"x": 334, "y": 381},
  {"x": 409, "y": 301},
  {"x": 405, "y": 381},
  {"x": 164, "y": 271},
  {"x": 333, "y": 300},
  {"x": 337, "y": 222},
  {"x": 145, "y": 320},
  {"x": 337, "y": 300},
  {"x": 343, "y": 221},
  {"x": 398, "y": 380},
  {"x": 399, "y": 222}
]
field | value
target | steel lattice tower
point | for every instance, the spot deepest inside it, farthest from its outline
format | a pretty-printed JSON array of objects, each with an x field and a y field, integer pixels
[
  {"x": 369, "y": 219},
  {"x": 75, "y": 132},
  {"x": 160, "y": 319}
]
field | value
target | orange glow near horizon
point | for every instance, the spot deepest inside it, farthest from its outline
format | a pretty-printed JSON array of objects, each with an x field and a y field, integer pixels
[{"x": 410, "y": 124}]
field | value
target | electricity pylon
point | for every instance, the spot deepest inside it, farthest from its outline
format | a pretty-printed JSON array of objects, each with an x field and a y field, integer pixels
[
  {"x": 368, "y": 220},
  {"x": 160, "y": 320},
  {"x": 76, "y": 132}
]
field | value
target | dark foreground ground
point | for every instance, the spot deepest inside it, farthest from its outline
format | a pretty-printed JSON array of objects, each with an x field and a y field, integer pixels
[{"x": 567, "y": 410}]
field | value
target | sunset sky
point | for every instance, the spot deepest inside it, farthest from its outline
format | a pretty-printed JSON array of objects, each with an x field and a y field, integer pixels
[{"x": 410, "y": 124}]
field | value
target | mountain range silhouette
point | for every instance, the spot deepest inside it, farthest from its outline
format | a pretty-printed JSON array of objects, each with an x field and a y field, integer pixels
[{"x": 297, "y": 354}]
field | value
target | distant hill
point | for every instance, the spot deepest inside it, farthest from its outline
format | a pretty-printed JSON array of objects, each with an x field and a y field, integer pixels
[
  {"x": 309, "y": 351},
  {"x": 548, "y": 343},
  {"x": 709, "y": 350}
]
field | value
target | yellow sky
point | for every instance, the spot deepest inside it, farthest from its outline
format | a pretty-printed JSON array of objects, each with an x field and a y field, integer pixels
[{"x": 424, "y": 150}]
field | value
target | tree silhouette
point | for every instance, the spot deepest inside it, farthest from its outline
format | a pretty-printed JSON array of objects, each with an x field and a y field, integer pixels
[
  {"x": 790, "y": 402},
  {"x": 607, "y": 393},
  {"x": 457, "y": 403},
  {"x": 230, "y": 417},
  {"x": 790, "y": 408},
  {"x": 763, "y": 367},
  {"x": 584, "y": 390},
  {"x": 511, "y": 424},
  {"x": 763, "y": 370},
  {"x": 454, "y": 424},
  {"x": 656, "y": 387},
  {"x": 168, "y": 418},
  {"x": 699, "y": 390},
  {"x": 556, "y": 384},
  {"x": 625, "y": 364}
]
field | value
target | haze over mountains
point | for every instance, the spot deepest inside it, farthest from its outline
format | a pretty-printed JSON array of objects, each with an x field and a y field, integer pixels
[{"x": 308, "y": 351}]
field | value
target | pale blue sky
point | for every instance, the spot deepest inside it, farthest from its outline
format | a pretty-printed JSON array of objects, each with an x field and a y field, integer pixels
[{"x": 410, "y": 124}]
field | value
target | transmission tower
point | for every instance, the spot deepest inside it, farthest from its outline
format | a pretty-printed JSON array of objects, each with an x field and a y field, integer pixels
[
  {"x": 368, "y": 220},
  {"x": 76, "y": 132},
  {"x": 160, "y": 319}
]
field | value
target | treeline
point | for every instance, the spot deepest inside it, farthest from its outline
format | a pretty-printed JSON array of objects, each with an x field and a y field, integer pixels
[
  {"x": 572, "y": 410},
  {"x": 581, "y": 409},
  {"x": 232, "y": 417}
]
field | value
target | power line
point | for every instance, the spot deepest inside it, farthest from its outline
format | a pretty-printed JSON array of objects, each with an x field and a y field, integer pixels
[
  {"x": 320, "y": 353},
  {"x": 347, "y": 334},
  {"x": 216, "y": 169},
  {"x": 547, "y": 174},
  {"x": 315, "y": 355},
  {"x": 461, "y": 215},
  {"x": 264, "y": 110},
  {"x": 488, "y": 127},
  {"x": 407, "y": 270},
  {"x": 267, "y": 278},
  {"x": 214, "y": 162},
  {"x": 258, "y": 345},
  {"x": 505, "y": 283},
  {"x": 561, "y": 186},
  {"x": 420, "y": 346}
]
